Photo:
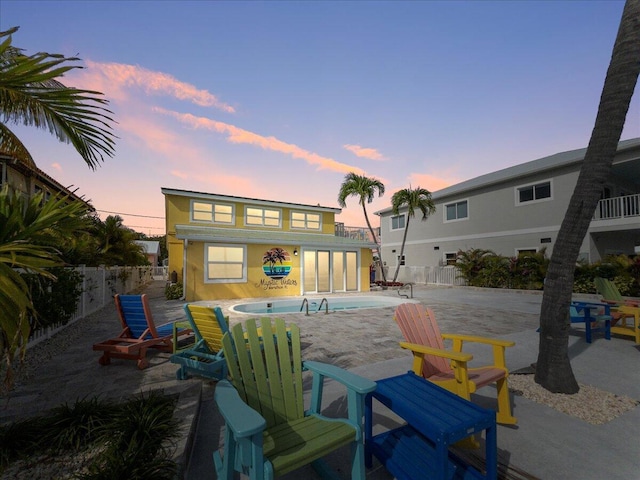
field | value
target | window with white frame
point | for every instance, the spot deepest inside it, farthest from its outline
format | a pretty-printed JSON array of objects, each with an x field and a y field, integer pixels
[
  {"x": 225, "y": 263},
  {"x": 534, "y": 192},
  {"x": 262, "y": 217},
  {"x": 456, "y": 211},
  {"x": 526, "y": 251},
  {"x": 306, "y": 221},
  {"x": 450, "y": 258},
  {"x": 212, "y": 212},
  {"x": 397, "y": 222}
]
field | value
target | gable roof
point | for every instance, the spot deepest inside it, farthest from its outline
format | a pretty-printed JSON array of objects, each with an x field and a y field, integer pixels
[
  {"x": 254, "y": 201},
  {"x": 551, "y": 162}
]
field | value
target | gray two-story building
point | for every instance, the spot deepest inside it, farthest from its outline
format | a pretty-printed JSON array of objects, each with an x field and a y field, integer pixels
[{"x": 518, "y": 209}]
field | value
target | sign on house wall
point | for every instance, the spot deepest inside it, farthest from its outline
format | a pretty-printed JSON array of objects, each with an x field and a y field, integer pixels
[{"x": 276, "y": 265}]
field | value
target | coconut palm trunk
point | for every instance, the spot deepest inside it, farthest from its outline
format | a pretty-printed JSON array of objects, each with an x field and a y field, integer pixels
[{"x": 553, "y": 368}]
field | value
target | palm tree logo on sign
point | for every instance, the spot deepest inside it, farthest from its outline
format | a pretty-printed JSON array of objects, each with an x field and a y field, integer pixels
[{"x": 276, "y": 263}]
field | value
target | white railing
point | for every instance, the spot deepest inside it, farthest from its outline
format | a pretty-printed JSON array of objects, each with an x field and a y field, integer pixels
[
  {"x": 618, "y": 207},
  {"x": 435, "y": 275},
  {"x": 99, "y": 285}
]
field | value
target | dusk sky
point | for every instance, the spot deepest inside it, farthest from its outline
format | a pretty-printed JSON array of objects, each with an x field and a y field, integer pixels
[{"x": 279, "y": 100}]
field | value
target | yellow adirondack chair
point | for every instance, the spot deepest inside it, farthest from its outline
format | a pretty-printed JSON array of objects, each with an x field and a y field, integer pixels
[
  {"x": 625, "y": 311},
  {"x": 448, "y": 368},
  {"x": 268, "y": 433},
  {"x": 205, "y": 358}
]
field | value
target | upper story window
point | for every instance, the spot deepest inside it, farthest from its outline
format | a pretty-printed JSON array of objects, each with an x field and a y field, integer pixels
[
  {"x": 306, "y": 221},
  {"x": 397, "y": 222},
  {"x": 262, "y": 217},
  {"x": 212, "y": 212},
  {"x": 456, "y": 211},
  {"x": 533, "y": 193}
]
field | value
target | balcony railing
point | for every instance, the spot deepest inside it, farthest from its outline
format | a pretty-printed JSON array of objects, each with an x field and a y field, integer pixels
[
  {"x": 358, "y": 233},
  {"x": 618, "y": 207}
]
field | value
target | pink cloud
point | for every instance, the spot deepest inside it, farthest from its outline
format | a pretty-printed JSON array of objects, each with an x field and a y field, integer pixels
[
  {"x": 240, "y": 136},
  {"x": 432, "y": 183},
  {"x": 56, "y": 166},
  {"x": 362, "y": 152},
  {"x": 115, "y": 78},
  {"x": 179, "y": 174}
]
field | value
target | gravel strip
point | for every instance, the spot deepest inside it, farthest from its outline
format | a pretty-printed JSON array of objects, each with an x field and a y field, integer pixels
[{"x": 590, "y": 404}]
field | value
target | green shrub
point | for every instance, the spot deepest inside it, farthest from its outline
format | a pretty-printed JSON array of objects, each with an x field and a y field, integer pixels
[
  {"x": 173, "y": 291},
  {"x": 55, "y": 301}
]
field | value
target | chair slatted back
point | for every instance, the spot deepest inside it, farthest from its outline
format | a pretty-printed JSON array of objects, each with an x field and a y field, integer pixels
[
  {"x": 267, "y": 370},
  {"x": 135, "y": 314},
  {"x": 418, "y": 325},
  {"x": 208, "y": 325},
  {"x": 608, "y": 290}
]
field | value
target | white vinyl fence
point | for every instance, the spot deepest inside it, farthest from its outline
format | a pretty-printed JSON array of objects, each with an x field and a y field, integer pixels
[
  {"x": 448, "y": 275},
  {"x": 99, "y": 285}
]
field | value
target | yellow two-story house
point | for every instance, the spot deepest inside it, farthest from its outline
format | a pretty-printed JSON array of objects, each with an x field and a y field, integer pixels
[{"x": 224, "y": 247}]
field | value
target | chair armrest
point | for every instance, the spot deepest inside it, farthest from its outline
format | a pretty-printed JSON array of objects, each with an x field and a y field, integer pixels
[
  {"x": 475, "y": 339},
  {"x": 424, "y": 350},
  {"x": 243, "y": 420},
  {"x": 352, "y": 381},
  {"x": 357, "y": 387},
  {"x": 459, "y": 361}
]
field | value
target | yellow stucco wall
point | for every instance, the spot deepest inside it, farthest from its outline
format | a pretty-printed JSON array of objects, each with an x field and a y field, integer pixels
[{"x": 258, "y": 284}]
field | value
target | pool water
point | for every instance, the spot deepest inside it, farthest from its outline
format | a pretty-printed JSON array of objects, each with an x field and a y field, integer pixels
[{"x": 316, "y": 304}]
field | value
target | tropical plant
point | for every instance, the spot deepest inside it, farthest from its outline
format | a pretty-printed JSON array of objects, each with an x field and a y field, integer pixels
[
  {"x": 133, "y": 440},
  {"x": 31, "y": 95},
  {"x": 411, "y": 199},
  {"x": 553, "y": 366},
  {"x": 116, "y": 243},
  {"x": 470, "y": 264},
  {"x": 28, "y": 230},
  {"x": 365, "y": 189}
]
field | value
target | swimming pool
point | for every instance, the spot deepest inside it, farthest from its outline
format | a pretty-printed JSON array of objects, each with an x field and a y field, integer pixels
[{"x": 316, "y": 304}]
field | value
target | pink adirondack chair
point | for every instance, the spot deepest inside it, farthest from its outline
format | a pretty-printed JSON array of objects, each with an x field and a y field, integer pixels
[{"x": 448, "y": 368}]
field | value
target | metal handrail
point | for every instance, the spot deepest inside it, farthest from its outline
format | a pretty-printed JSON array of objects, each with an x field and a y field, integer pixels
[
  {"x": 305, "y": 302},
  {"x": 326, "y": 305}
]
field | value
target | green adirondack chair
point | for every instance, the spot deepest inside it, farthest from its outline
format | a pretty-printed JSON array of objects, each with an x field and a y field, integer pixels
[
  {"x": 205, "y": 358},
  {"x": 268, "y": 432}
]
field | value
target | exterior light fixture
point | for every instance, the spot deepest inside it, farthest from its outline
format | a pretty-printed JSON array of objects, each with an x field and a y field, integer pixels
[{"x": 295, "y": 252}]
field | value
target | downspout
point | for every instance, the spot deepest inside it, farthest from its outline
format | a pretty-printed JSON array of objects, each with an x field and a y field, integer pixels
[{"x": 184, "y": 269}]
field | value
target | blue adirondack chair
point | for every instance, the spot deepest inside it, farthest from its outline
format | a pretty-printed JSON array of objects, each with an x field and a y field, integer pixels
[
  {"x": 205, "y": 358},
  {"x": 139, "y": 332},
  {"x": 595, "y": 316},
  {"x": 268, "y": 433}
]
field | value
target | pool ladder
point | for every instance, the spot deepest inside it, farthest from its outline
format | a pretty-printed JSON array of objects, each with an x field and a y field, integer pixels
[{"x": 305, "y": 304}]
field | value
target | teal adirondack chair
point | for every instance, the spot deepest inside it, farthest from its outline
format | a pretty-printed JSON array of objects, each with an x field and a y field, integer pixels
[
  {"x": 205, "y": 358},
  {"x": 268, "y": 432}
]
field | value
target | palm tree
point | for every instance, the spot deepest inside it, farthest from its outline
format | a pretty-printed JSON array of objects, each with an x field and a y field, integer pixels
[
  {"x": 365, "y": 188},
  {"x": 411, "y": 199},
  {"x": 31, "y": 95},
  {"x": 28, "y": 231},
  {"x": 272, "y": 257},
  {"x": 553, "y": 368}
]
